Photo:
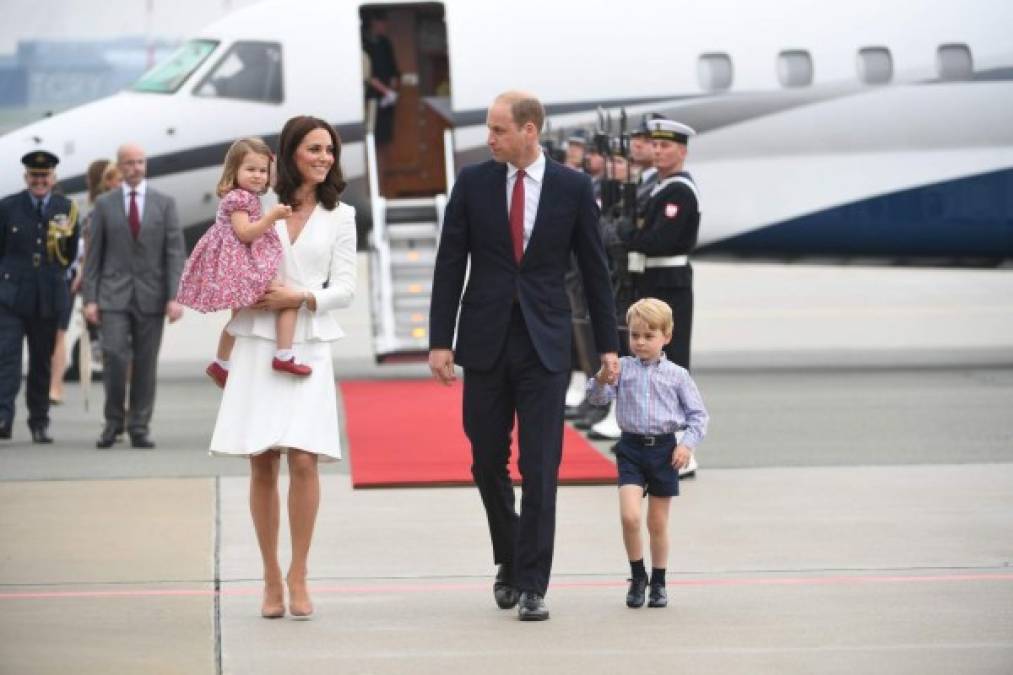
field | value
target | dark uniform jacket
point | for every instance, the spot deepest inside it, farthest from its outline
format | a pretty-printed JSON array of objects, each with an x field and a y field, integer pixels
[
  {"x": 35, "y": 254},
  {"x": 670, "y": 227}
]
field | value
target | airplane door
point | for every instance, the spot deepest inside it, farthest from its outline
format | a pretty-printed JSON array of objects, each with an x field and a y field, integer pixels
[{"x": 409, "y": 133}]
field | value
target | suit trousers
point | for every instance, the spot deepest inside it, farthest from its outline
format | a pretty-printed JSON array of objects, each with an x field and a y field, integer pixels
[
  {"x": 41, "y": 334},
  {"x": 130, "y": 341},
  {"x": 518, "y": 385}
]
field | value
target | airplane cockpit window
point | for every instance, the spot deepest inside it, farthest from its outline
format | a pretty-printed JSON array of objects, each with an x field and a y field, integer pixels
[
  {"x": 795, "y": 68},
  {"x": 714, "y": 71},
  {"x": 249, "y": 70},
  {"x": 169, "y": 75},
  {"x": 875, "y": 65},
  {"x": 954, "y": 62}
]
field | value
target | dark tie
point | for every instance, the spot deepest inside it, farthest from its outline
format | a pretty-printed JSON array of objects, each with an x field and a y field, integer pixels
[
  {"x": 135, "y": 215},
  {"x": 517, "y": 215},
  {"x": 38, "y": 211}
]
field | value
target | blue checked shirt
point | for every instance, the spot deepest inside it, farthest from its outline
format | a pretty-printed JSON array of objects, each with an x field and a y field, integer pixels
[{"x": 656, "y": 397}]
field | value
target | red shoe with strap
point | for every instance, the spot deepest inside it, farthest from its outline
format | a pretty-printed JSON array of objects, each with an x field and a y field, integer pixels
[
  {"x": 218, "y": 374},
  {"x": 292, "y": 367}
]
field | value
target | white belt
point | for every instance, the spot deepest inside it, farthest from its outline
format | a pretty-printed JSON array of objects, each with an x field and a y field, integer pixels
[
  {"x": 638, "y": 262},
  {"x": 669, "y": 261}
]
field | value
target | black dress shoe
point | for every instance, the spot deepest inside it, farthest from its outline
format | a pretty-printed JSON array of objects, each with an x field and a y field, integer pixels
[
  {"x": 503, "y": 588},
  {"x": 39, "y": 435},
  {"x": 659, "y": 596},
  {"x": 635, "y": 594},
  {"x": 141, "y": 442},
  {"x": 106, "y": 439},
  {"x": 531, "y": 607},
  {"x": 5, "y": 430}
]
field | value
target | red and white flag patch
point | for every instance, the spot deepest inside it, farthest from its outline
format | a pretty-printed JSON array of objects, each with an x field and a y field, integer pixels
[{"x": 671, "y": 210}]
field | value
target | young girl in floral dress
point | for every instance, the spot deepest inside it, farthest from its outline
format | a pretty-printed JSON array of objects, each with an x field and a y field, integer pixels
[{"x": 238, "y": 257}]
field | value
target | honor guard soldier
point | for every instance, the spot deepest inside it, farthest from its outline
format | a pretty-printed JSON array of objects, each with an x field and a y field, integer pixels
[
  {"x": 642, "y": 158},
  {"x": 576, "y": 145},
  {"x": 38, "y": 242},
  {"x": 660, "y": 245}
]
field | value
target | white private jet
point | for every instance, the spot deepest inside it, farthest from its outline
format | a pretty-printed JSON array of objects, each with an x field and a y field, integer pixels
[{"x": 849, "y": 128}]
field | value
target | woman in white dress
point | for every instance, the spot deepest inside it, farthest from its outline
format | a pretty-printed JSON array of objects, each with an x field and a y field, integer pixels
[{"x": 265, "y": 413}]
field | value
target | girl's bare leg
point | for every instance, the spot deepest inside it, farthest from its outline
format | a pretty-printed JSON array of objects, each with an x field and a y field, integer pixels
[
  {"x": 285, "y": 327},
  {"x": 225, "y": 343}
]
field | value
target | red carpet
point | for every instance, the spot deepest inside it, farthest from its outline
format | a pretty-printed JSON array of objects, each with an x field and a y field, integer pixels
[{"x": 408, "y": 432}]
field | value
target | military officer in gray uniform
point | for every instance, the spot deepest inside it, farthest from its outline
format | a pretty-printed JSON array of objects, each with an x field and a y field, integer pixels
[
  {"x": 131, "y": 272},
  {"x": 38, "y": 242}
]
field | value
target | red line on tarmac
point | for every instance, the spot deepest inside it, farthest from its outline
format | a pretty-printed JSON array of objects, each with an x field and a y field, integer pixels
[{"x": 838, "y": 580}]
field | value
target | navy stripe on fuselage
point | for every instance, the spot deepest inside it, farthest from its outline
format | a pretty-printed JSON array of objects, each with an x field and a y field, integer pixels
[
  {"x": 967, "y": 217},
  {"x": 703, "y": 112}
]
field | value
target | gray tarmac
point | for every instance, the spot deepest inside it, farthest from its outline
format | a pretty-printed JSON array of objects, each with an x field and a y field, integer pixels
[{"x": 852, "y": 512}]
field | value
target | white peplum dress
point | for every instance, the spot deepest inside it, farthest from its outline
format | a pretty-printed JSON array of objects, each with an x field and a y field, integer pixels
[{"x": 263, "y": 409}]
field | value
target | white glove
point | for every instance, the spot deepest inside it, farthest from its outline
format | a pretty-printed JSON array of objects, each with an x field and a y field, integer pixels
[{"x": 389, "y": 99}]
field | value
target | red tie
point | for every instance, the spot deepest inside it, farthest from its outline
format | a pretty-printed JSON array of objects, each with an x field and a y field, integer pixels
[
  {"x": 135, "y": 215},
  {"x": 517, "y": 215}
]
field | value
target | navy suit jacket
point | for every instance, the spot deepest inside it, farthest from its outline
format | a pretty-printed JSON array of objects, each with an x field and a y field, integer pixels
[{"x": 476, "y": 224}]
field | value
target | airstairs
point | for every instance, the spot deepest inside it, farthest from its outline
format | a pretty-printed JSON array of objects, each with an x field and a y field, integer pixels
[{"x": 402, "y": 254}]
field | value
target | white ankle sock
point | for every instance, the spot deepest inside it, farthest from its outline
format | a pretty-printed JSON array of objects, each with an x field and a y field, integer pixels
[
  {"x": 223, "y": 364},
  {"x": 284, "y": 354}
]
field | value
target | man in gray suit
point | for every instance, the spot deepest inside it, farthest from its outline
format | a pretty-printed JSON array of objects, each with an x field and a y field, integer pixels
[{"x": 134, "y": 261}]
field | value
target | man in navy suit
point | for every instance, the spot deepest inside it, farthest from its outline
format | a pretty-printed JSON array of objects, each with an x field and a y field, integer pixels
[{"x": 520, "y": 217}]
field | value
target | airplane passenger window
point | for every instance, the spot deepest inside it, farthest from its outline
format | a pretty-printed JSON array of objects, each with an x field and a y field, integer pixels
[
  {"x": 169, "y": 75},
  {"x": 249, "y": 70},
  {"x": 795, "y": 68},
  {"x": 714, "y": 71},
  {"x": 875, "y": 65},
  {"x": 954, "y": 62}
]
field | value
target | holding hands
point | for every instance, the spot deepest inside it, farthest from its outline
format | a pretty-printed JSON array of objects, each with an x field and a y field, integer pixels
[{"x": 609, "y": 371}]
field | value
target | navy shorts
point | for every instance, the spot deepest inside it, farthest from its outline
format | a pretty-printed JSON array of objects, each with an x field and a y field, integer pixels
[{"x": 649, "y": 466}]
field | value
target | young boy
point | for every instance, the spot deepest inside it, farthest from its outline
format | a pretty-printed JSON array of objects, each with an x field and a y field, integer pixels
[{"x": 656, "y": 398}]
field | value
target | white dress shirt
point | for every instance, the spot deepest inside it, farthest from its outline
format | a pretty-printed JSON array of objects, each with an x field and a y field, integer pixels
[
  {"x": 140, "y": 189},
  {"x": 533, "y": 176}
]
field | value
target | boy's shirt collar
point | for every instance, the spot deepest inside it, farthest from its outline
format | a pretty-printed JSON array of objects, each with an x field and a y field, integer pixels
[{"x": 652, "y": 362}]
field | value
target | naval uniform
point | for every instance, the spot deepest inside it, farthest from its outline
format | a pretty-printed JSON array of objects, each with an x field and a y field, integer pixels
[
  {"x": 671, "y": 222},
  {"x": 38, "y": 242}
]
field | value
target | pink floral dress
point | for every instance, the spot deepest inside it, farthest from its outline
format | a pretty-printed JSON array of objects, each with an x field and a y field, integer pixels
[{"x": 223, "y": 272}]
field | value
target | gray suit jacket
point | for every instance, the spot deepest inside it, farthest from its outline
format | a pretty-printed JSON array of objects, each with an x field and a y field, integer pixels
[{"x": 118, "y": 268}]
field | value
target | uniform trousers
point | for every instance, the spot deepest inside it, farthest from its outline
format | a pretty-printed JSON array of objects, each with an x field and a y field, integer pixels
[
  {"x": 517, "y": 385},
  {"x": 41, "y": 334}
]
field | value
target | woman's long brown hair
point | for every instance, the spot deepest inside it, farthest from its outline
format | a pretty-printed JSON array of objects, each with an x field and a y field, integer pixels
[{"x": 289, "y": 178}]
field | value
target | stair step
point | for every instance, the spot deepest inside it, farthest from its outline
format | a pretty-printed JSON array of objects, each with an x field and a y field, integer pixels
[
  {"x": 411, "y": 214},
  {"x": 409, "y": 202},
  {"x": 425, "y": 231},
  {"x": 411, "y": 258}
]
